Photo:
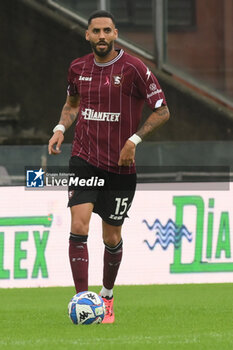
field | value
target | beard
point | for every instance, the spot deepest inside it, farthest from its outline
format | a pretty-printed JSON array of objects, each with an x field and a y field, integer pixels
[{"x": 103, "y": 51}]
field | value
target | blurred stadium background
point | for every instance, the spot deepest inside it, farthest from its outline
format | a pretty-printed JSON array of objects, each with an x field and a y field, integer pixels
[
  {"x": 187, "y": 43},
  {"x": 189, "y": 46},
  {"x": 181, "y": 219}
]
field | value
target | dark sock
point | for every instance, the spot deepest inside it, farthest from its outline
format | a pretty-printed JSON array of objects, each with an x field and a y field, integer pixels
[
  {"x": 78, "y": 254},
  {"x": 112, "y": 260}
]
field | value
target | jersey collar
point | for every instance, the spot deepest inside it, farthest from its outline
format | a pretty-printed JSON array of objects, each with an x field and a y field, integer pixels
[{"x": 110, "y": 62}]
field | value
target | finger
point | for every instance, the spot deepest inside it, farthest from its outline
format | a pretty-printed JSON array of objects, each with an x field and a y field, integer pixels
[
  {"x": 59, "y": 142},
  {"x": 52, "y": 150},
  {"x": 56, "y": 150},
  {"x": 125, "y": 162},
  {"x": 120, "y": 162}
]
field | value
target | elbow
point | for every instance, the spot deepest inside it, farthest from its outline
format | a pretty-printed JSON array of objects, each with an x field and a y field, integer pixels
[{"x": 167, "y": 115}]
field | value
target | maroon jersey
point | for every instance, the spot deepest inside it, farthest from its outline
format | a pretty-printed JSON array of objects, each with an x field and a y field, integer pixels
[{"x": 112, "y": 96}]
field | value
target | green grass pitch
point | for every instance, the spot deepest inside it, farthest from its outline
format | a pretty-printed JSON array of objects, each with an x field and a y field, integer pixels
[{"x": 147, "y": 317}]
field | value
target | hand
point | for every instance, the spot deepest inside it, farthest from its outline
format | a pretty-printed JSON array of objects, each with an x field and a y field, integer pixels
[
  {"x": 57, "y": 138},
  {"x": 127, "y": 154}
]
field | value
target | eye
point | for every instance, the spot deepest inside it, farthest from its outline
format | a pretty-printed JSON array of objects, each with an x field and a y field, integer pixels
[
  {"x": 107, "y": 30},
  {"x": 95, "y": 31}
]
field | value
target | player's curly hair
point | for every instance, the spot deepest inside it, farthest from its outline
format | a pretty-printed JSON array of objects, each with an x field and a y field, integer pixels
[{"x": 101, "y": 13}]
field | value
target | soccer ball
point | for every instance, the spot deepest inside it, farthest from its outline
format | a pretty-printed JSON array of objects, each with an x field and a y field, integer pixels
[{"x": 86, "y": 308}]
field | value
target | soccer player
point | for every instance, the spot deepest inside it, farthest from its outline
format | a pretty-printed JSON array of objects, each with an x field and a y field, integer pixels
[{"x": 106, "y": 93}]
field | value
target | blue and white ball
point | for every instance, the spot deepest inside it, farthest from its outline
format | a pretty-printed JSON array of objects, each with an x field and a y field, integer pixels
[{"x": 86, "y": 308}]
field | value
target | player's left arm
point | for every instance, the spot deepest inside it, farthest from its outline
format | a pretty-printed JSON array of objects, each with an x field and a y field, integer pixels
[{"x": 156, "y": 119}]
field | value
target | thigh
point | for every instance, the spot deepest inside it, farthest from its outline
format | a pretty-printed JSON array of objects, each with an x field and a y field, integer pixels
[
  {"x": 80, "y": 170},
  {"x": 114, "y": 202},
  {"x": 80, "y": 218},
  {"x": 111, "y": 234}
]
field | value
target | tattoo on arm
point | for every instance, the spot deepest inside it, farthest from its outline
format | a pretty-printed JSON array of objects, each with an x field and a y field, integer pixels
[
  {"x": 154, "y": 121},
  {"x": 163, "y": 111},
  {"x": 69, "y": 112}
]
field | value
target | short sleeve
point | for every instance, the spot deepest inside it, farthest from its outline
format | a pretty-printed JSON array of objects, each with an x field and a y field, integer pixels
[
  {"x": 72, "y": 87},
  {"x": 149, "y": 87}
]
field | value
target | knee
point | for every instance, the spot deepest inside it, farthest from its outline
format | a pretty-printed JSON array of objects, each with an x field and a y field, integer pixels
[
  {"x": 79, "y": 227},
  {"x": 111, "y": 234},
  {"x": 112, "y": 240}
]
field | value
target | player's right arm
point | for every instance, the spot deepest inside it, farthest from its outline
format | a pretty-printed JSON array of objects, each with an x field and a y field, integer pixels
[{"x": 68, "y": 115}]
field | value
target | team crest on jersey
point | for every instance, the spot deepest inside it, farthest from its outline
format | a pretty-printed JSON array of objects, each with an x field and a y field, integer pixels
[
  {"x": 117, "y": 80},
  {"x": 153, "y": 87},
  {"x": 70, "y": 194}
]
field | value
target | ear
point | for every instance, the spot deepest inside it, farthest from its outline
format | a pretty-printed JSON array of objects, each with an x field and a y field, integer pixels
[
  {"x": 87, "y": 35},
  {"x": 116, "y": 33}
]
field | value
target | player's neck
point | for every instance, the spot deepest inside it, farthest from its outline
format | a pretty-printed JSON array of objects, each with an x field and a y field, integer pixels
[{"x": 109, "y": 57}]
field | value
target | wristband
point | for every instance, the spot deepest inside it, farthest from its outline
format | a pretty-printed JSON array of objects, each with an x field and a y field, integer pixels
[
  {"x": 135, "y": 139},
  {"x": 59, "y": 127}
]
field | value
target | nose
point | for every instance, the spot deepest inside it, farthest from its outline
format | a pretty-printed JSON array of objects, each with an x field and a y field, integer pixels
[{"x": 102, "y": 34}]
